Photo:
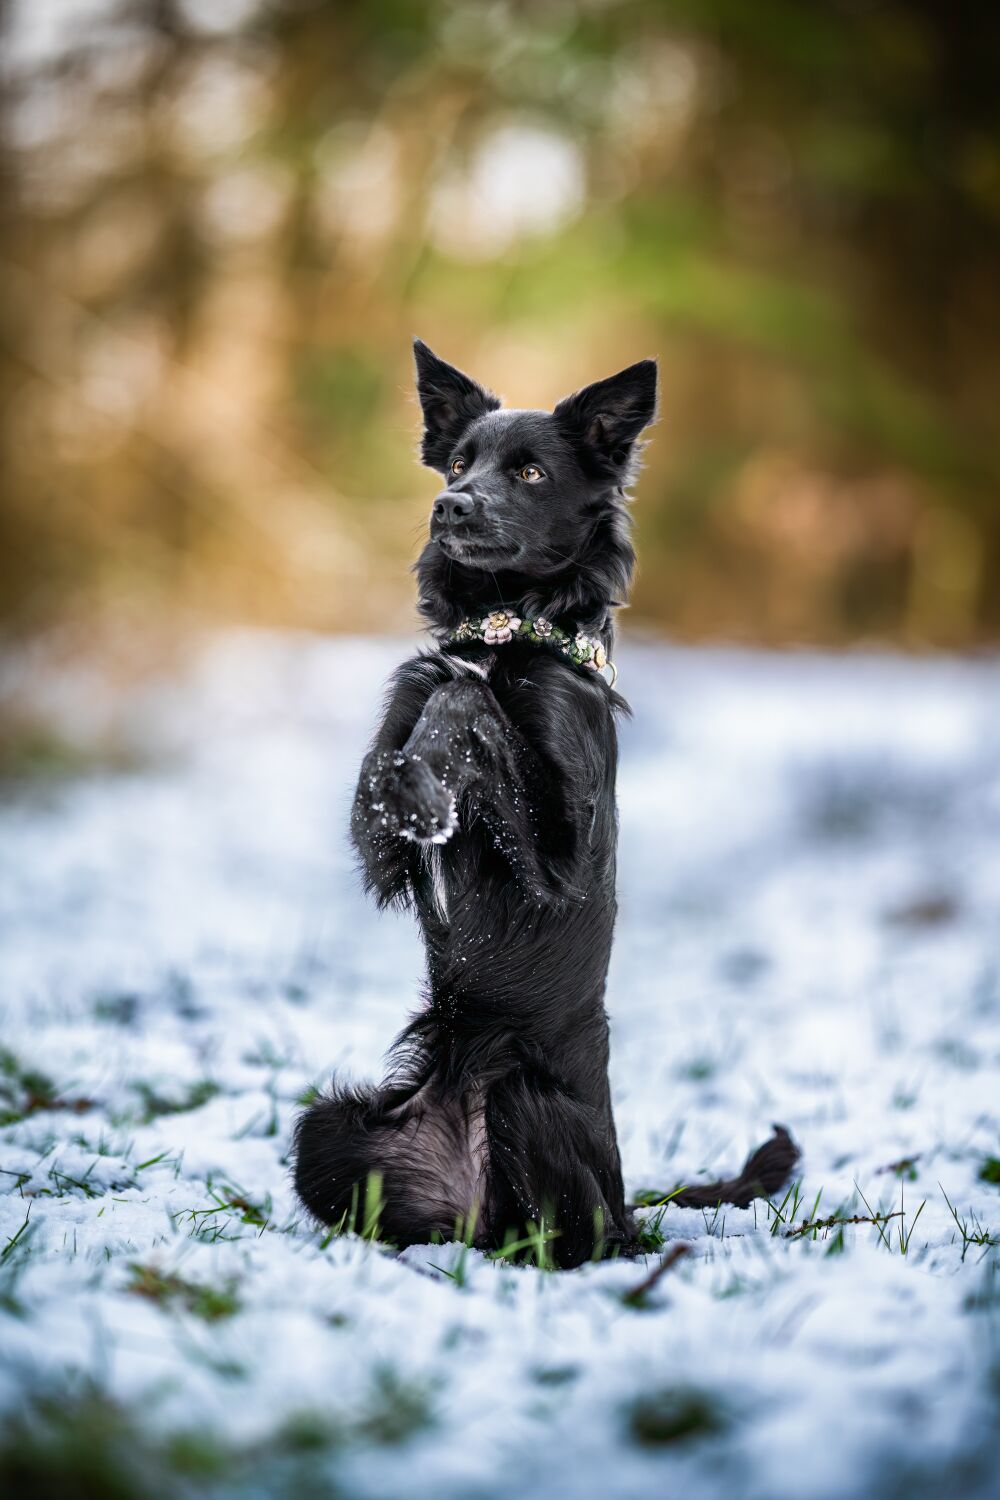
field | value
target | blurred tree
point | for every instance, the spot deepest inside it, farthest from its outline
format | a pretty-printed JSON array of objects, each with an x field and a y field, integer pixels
[{"x": 223, "y": 219}]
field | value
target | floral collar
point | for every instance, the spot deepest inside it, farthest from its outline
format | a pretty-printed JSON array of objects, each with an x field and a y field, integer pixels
[{"x": 503, "y": 625}]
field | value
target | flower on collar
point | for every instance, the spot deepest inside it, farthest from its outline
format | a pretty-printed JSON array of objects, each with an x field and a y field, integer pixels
[
  {"x": 583, "y": 649},
  {"x": 542, "y": 626},
  {"x": 599, "y": 660},
  {"x": 499, "y": 627}
]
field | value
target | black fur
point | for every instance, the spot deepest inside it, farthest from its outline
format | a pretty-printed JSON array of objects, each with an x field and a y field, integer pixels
[{"x": 487, "y": 801}]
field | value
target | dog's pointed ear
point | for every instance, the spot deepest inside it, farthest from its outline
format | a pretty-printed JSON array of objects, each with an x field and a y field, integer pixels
[
  {"x": 449, "y": 401},
  {"x": 608, "y": 416}
]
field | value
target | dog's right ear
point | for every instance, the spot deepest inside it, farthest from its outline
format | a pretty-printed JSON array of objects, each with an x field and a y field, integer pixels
[{"x": 450, "y": 401}]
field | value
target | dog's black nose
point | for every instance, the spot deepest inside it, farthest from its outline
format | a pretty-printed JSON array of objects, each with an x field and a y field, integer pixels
[{"x": 453, "y": 508}]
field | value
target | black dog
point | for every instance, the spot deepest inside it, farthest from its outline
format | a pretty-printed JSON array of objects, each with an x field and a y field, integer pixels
[{"x": 488, "y": 802}]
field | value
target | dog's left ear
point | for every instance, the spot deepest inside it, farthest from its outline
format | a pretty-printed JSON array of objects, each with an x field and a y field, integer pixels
[
  {"x": 449, "y": 400},
  {"x": 609, "y": 415}
]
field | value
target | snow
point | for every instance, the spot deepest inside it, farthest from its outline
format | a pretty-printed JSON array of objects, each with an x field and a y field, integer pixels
[{"x": 809, "y": 883}]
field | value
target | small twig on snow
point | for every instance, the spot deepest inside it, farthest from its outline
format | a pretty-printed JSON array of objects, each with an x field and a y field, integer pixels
[
  {"x": 834, "y": 1220},
  {"x": 639, "y": 1293}
]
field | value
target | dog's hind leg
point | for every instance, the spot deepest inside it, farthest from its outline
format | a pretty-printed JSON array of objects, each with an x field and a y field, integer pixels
[
  {"x": 402, "y": 1166},
  {"x": 764, "y": 1173},
  {"x": 552, "y": 1160}
]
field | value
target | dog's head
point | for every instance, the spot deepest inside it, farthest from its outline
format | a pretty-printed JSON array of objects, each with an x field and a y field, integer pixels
[{"x": 533, "y": 507}]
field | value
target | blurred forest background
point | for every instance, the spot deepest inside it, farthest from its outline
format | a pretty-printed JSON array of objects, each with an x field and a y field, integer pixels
[{"x": 221, "y": 221}]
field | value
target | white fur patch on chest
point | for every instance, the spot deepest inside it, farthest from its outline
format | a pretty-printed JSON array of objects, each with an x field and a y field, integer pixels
[
  {"x": 477, "y": 668},
  {"x": 439, "y": 888}
]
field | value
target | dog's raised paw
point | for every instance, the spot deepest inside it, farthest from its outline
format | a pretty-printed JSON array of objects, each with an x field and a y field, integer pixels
[
  {"x": 442, "y": 831},
  {"x": 416, "y": 804}
]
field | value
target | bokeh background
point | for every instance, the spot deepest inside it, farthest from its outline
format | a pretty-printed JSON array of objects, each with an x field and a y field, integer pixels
[{"x": 221, "y": 222}]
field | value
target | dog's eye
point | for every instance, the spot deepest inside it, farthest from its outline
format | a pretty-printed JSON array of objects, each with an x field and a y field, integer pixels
[
  {"x": 458, "y": 466},
  {"x": 531, "y": 474}
]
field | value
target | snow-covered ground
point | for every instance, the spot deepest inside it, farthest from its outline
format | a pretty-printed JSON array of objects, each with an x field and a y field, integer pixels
[{"x": 809, "y": 933}]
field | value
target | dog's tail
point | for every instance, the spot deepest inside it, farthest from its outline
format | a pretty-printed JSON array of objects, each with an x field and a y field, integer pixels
[{"x": 764, "y": 1173}]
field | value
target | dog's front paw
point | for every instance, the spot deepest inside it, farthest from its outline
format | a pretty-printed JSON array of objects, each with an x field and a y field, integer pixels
[{"x": 414, "y": 803}]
